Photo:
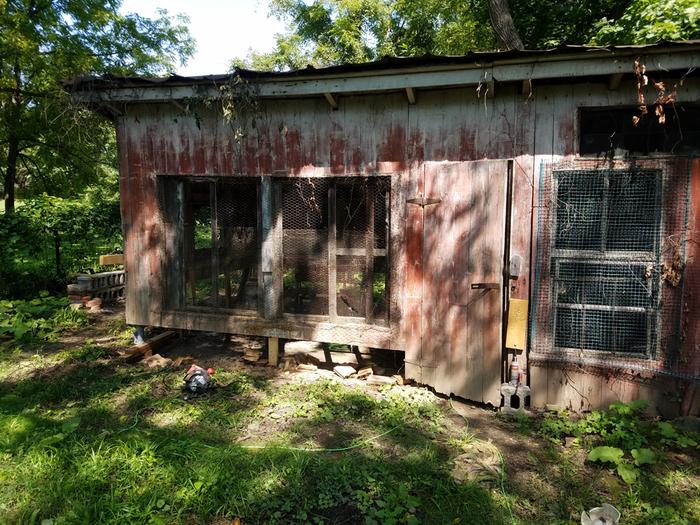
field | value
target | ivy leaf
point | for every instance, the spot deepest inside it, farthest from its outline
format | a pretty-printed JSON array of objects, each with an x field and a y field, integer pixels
[
  {"x": 70, "y": 425},
  {"x": 643, "y": 456},
  {"x": 606, "y": 454},
  {"x": 628, "y": 473},
  {"x": 666, "y": 429}
]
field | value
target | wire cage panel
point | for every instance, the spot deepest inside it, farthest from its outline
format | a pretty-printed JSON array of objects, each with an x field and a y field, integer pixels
[
  {"x": 305, "y": 245},
  {"x": 220, "y": 242},
  {"x": 335, "y": 233},
  {"x": 608, "y": 232}
]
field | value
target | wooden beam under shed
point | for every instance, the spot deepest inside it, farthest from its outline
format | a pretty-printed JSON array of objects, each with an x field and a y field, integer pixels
[
  {"x": 332, "y": 100},
  {"x": 411, "y": 95}
]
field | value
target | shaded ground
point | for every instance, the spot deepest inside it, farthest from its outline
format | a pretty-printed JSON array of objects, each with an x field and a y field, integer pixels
[{"x": 88, "y": 438}]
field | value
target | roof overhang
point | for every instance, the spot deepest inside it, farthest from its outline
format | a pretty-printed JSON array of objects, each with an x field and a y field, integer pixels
[{"x": 565, "y": 64}]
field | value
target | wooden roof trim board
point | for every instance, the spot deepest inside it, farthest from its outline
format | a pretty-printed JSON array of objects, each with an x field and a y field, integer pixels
[{"x": 400, "y": 74}]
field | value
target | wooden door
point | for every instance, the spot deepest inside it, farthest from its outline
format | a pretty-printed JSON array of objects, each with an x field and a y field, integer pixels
[{"x": 462, "y": 288}]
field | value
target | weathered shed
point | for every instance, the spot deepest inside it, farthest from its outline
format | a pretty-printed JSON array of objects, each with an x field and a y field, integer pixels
[{"x": 413, "y": 204}]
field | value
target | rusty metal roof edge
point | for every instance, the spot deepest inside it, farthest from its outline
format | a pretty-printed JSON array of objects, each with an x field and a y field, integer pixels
[{"x": 385, "y": 66}]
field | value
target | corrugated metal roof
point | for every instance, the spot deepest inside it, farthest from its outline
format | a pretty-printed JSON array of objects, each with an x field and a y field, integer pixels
[{"x": 479, "y": 59}]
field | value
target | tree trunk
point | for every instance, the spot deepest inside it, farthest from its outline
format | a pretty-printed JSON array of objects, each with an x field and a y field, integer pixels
[
  {"x": 14, "y": 118},
  {"x": 11, "y": 173},
  {"x": 502, "y": 23}
]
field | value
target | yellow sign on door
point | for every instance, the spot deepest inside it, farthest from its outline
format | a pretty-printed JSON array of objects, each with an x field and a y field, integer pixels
[{"x": 516, "y": 334}]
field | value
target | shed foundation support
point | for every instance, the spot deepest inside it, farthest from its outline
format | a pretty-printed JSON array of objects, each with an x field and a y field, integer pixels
[{"x": 273, "y": 350}]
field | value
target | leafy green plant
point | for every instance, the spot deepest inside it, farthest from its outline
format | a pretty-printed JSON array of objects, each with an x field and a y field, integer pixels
[
  {"x": 41, "y": 318},
  {"x": 626, "y": 469},
  {"x": 615, "y": 434}
]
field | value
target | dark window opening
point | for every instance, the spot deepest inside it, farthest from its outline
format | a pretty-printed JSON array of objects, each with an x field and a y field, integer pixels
[
  {"x": 606, "y": 244},
  {"x": 603, "y": 130}
]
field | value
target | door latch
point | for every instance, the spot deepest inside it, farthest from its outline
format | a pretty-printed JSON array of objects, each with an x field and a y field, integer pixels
[{"x": 485, "y": 286}]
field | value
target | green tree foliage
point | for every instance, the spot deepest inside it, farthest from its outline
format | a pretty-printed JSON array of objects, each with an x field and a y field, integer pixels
[
  {"x": 341, "y": 31},
  {"x": 647, "y": 21},
  {"x": 551, "y": 23},
  {"x": 47, "y": 239},
  {"x": 327, "y": 32},
  {"x": 46, "y": 143}
]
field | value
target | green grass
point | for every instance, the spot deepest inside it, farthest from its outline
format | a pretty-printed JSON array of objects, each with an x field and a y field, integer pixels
[{"x": 86, "y": 440}]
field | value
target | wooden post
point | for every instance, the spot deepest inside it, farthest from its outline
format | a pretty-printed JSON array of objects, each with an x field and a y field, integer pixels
[
  {"x": 273, "y": 350},
  {"x": 271, "y": 263}
]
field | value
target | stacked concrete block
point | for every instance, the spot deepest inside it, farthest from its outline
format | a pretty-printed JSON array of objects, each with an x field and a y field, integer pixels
[{"x": 107, "y": 286}]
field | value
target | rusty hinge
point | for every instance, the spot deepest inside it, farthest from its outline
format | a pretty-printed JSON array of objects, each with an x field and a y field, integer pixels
[{"x": 424, "y": 201}]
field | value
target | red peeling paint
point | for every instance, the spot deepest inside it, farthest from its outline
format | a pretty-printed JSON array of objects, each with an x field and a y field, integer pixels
[
  {"x": 465, "y": 145},
  {"x": 293, "y": 151},
  {"x": 393, "y": 148},
  {"x": 184, "y": 161},
  {"x": 416, "y": 148}
]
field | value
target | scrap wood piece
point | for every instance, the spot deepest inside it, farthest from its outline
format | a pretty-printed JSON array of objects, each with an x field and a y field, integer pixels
[
  {"x": 183, "y": 361},
  {"x": 252, "y": 356},
  {"x": 150, "y": 345},
  {"x": 364, "y": 372},
  {"x": 116, "y": 258}
]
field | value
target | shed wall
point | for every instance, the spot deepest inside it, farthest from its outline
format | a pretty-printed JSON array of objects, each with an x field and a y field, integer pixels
[{"x": 367, "y": 135}]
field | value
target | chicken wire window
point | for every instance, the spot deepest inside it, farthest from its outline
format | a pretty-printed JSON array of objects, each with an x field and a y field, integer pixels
[
  {"x": 335, "y": 248},
  {"x": 220, "y": 219},
  {"x": 606, "y": 241}
]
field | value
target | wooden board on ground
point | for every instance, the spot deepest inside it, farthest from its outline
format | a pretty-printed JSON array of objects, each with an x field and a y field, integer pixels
[{"x": 150, "y": 345}]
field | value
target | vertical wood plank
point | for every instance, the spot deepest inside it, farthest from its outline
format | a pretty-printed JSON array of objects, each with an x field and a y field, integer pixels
[
  {"x": 268, "y": 242},
  {"x": 171, "y": 261},
  {"x": 277, "y": 251},
  {"x": 258, "y": 246}
]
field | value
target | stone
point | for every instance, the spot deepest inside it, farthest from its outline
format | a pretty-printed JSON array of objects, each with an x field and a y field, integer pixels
[
  {"x": 375, "y": 379},
  {"x": 344, "y": 371},
  {"x": 157, "y": 361}
]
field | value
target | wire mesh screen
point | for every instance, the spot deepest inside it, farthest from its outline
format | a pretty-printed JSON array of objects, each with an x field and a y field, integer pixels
[
  {"x": 198, "y": 243},
  {"x": 609, "y": 264},
  {"x": 356, "y": 209},
  {"x": 361, "y": 239},
  {"x": 237, "y": 224},
  {"x": 221, "y": 243},
  {"x": 305, "y": 245}
]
